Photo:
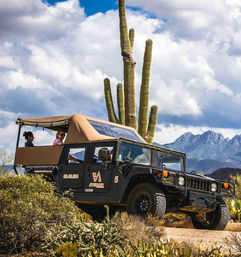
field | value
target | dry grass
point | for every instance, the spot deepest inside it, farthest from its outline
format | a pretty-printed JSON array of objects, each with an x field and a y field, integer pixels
[
  {"x": 233, "y": 226},
  {"x": 136, "y": 229},
  {"x": 177, "y": 220}
]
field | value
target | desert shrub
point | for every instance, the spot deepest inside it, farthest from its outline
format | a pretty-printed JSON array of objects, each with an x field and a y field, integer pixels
[
  {"x": 5, "y": 161},
  {"x": 237, "y": 181},
  {"x": 123, "y": 236},
  {"x": 235, "y": 209},
  {"x": 30, "y": 209},
  {"x": 168, "y": 248},
  {"x": 136, "y": 229},
  {"x": 81, "y": 238}
]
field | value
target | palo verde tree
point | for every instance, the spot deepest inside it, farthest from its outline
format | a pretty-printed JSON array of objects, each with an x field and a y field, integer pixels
[{"x": 126, "y": 97}]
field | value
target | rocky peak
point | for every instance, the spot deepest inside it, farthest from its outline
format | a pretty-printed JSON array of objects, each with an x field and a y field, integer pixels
[
  {"x": 236, "y": 140},
  {"x": 211, "y": 138},
  {"x": 185, "y": 138}
]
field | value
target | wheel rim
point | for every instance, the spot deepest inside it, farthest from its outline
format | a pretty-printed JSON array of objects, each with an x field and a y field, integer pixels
[{"x": 142, "y": 204}]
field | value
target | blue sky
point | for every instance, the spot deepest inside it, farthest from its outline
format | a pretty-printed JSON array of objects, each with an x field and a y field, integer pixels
[
  {"x": 55, "y": 55},
  {"x": 94, "y": 6}
]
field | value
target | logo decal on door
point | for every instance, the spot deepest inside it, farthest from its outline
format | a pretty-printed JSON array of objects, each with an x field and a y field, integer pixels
[
  {"x": 97, "y": 180},
  {"x": 96, "y": 177}
]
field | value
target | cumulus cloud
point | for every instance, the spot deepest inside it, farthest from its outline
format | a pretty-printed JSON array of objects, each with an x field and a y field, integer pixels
[
  {"x": 195, "y": 20},
  {"x": 53, "y": 60},
  {"x": 37, "y": 19}
]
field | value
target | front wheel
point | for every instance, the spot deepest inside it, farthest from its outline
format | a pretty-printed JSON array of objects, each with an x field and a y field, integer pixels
[
  {"x": 215, "y": 220},
  {"x": 146, "y": 198}
]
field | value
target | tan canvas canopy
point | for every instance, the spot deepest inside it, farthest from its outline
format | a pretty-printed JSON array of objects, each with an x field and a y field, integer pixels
[{"x": 78, "y": 127}]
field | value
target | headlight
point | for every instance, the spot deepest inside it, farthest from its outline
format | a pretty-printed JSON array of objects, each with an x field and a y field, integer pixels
[
  {"x": 214, "y": 187},
  {"x": 181, "y": 181}
]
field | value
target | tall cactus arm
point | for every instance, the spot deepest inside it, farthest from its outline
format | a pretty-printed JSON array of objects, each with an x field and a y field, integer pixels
[
  {"x": 120, "y": 102},
  {"x": 124, "y": 37},
  {"x": 144, "y": 93},
  {"x": 109, "y": 102},
  {"x": 132, "y": 37},
  {"x": 152, "y": 124},
  {"x": 129, "y": 69}
]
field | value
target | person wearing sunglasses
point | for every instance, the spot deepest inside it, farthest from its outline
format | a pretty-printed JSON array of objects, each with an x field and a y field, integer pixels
[{"x": 59, "y": 138}]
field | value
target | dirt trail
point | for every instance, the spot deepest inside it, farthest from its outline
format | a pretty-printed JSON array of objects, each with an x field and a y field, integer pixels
[{"x": 195, "y": 236}]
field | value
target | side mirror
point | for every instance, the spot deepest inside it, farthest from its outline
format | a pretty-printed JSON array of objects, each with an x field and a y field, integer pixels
[{"x": 103, "y": 154}]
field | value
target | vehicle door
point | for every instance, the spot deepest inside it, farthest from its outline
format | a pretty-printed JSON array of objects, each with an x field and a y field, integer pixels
[
  {"x": 72, "y": 176},
  {"x": 99, "y": 173}
]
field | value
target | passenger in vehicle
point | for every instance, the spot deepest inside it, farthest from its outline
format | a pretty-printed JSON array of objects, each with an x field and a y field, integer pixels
[
  {"x": 29, "y": 137},
  {"x": 59, "y": 138},
  {"x": 144, "y": 157},
  {"x": 109, "y": 155}
]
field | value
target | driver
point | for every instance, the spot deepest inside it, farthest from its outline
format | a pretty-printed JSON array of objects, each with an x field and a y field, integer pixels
[{"x": 143, "y": 158}]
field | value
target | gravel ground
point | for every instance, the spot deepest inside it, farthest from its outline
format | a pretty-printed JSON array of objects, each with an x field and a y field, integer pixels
[{"x": 206, "y": 237}]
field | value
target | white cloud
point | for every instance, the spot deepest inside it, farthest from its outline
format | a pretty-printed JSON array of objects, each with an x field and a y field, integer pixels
[
  {"x": 195, "y": 19},
  {"x": 36, "y": 19},
  {"x": 173, "y": 98},
  {"x": 9, "y": 136},
  {"x": 53, "y": 61}
]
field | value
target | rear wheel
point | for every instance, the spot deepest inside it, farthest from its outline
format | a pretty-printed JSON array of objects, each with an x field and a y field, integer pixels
[
  {"x": 215, "y": 220},
  {"x": 146, "y": 198}
]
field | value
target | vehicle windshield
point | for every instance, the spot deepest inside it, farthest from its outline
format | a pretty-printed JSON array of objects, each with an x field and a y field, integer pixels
[
  {"x": 114, "y": 131},
  {"x": 170, "y": 160},
  {"x": 134, "y": 154}
]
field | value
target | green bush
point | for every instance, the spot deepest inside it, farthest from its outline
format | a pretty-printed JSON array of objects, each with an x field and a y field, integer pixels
[
  {"x": 30, "y": 209},
  {"x": 237, "y": 181},
  {"x": 161, "y": 248},
  {"x": 167, "y": 248},
  {"x": 110, "y": 238},
  {"x": 90, "y": 238},
  {"x": 235, "y": 209}
]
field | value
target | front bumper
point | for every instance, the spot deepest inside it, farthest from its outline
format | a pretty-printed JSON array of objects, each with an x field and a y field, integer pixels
[{"x": 198, "y": 202}]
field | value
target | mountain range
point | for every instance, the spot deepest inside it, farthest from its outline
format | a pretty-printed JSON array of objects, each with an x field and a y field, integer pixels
[
  {"x": 225, "y": 173},
  {"x": 209, "y": 151}
]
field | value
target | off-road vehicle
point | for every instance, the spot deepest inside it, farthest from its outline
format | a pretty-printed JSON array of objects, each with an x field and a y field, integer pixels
[{"x": 104, "y": 163}]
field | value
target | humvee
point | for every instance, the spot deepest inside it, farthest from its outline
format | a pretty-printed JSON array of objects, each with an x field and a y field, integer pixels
[{"x": 104, "y": 163}]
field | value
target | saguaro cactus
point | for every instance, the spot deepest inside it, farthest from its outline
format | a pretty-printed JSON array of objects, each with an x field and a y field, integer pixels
[
  {"x": 126, "y": 97},
  {"x": 129, "y": 67}
]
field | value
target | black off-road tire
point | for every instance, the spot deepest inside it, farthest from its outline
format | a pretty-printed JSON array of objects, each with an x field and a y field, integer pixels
[
  {"x": 216, "y": 220},
  {"x": 146, "y": 198}
]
